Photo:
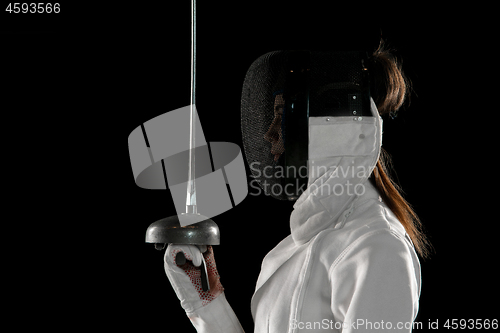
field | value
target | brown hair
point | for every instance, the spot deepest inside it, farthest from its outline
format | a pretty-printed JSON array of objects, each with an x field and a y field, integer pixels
[{"x": 389, "y": 89}]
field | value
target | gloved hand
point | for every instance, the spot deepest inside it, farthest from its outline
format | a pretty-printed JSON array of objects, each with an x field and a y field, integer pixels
[
  {"x": 186, "y": 279},
  {"x": 209, "y": 312}
]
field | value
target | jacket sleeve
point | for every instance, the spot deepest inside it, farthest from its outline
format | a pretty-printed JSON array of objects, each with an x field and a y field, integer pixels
[
  {"x": 216, "y": 317},
  {"x": 375, "y": 286}
]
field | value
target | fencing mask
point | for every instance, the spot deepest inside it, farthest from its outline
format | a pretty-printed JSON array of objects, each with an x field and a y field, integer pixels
[{"x": 281, "y": 91}]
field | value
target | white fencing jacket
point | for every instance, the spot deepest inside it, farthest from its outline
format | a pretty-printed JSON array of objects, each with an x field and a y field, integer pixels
[
  {"x": 361, "y": 270},
  {"x": 348, "y": 264}
]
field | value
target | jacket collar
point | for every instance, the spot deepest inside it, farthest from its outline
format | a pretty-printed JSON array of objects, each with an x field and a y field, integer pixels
[{"x": 343, "y": 151}]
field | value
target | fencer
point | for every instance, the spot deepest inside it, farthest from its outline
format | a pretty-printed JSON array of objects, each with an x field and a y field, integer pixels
[{"x": 350, "y": 263}]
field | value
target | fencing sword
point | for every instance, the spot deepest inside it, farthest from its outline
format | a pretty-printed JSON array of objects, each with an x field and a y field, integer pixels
[{"x": 169, "y": 230}]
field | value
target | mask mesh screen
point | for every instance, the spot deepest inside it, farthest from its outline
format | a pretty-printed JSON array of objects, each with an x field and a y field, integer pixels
[{"x": 261, "y": 123}]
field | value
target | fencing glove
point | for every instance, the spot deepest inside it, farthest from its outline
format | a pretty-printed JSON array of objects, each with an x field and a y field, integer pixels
[{"x": 208, "y": 311}]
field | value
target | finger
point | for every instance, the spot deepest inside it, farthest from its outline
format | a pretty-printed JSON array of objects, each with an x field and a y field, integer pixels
[
  {"x": 196, "y": 255},
  {"x": 191, "y": 253},
  {"x": 209, "y": 252}
]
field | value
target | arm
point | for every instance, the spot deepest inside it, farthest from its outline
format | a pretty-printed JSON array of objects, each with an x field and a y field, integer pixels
[{"x": 374, "y": 285}]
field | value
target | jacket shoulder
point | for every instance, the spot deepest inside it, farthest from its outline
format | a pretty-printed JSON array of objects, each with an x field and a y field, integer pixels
[{"x": 372, "y": 226}]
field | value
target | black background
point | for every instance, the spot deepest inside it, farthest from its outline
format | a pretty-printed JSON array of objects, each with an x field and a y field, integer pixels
[{"x": 75, "y": 84}]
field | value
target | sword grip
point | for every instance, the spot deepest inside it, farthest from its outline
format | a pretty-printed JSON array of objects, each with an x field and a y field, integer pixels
[
  {"x": 180, "y": 259},
  {"x": 205, "y": 285}
]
